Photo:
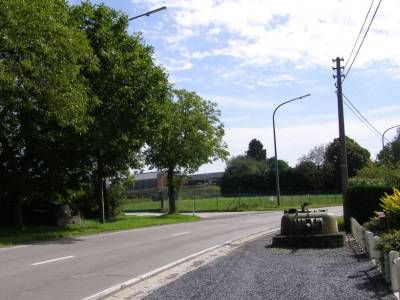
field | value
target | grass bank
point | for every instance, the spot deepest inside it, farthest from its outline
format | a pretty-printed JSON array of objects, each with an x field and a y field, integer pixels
[{"x": 12, "y": 236}]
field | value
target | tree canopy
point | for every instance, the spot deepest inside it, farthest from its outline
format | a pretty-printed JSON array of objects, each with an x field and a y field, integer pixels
[
  {"x": 129, "y": 88},
  {"x": 190, "y": 136},
  {"x": 256, "y": 150},
  {"x": 43, "y": 92}
]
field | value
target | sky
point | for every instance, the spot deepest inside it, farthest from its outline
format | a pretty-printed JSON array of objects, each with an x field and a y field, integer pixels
[{"x": 249, "y": 56}]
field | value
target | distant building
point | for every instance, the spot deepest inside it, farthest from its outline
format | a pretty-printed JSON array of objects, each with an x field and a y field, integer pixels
[
  {"x": 206, "y": 178},
  {"x": 156, "y": 180}
]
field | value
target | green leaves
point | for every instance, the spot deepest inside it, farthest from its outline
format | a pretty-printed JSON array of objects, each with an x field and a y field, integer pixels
[{"x": 191, "y": 134}]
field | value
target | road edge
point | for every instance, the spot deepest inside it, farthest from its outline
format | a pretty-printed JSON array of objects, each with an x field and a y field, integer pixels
[{"x": 118, "y": 287}]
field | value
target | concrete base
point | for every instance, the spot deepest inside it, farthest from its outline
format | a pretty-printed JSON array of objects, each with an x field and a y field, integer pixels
[{"x": 333, "y": 240}]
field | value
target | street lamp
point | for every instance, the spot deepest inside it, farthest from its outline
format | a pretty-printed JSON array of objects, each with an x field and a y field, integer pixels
[
  {"x": 278, "y": 190},
  {"x": 103, "y": 218},
  {"x": 148, "y": 13},
  {"x": 383, "y": 139}
]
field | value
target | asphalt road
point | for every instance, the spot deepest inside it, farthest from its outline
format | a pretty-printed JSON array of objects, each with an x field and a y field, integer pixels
[
  {"x": 79, "y": 267},
  {"x": 258, "y": 271}
]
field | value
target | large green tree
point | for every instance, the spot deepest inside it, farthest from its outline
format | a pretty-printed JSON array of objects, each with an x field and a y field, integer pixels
[
  {"x": 244, "y": 175},
  {"x": 256, "y": 150},
  {"x": 191, "y": 135},
  {"x": 129, "y": 87},
  {"x": 43, "y": 92},
  {"x": 357, "y": 158}
]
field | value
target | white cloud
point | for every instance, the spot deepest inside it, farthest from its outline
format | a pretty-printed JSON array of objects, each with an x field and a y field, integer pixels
[{"x": 306, "y": 33}]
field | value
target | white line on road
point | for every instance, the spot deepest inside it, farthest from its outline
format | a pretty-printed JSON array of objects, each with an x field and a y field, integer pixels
[
  {"x": 52, "y": 260},
  {"x": 113, "y": 289},
  {"x": 181, "y": 233}
]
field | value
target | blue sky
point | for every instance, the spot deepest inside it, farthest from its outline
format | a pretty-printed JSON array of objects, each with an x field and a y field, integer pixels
[{"x": 248, "y": 56}]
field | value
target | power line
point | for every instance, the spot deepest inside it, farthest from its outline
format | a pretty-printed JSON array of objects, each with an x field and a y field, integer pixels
[
  {"x": 361, "y": 120},
  {"x": 361, "y": 117},
  {"x": 362, "y": 42},
  {"x": 359, "y": 34}
]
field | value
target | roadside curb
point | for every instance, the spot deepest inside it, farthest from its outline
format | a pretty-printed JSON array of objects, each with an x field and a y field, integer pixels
[{"x": 116, "y": 288}]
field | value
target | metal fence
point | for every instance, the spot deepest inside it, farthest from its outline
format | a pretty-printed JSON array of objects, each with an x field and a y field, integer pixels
[{"x": 210, "y": 199}]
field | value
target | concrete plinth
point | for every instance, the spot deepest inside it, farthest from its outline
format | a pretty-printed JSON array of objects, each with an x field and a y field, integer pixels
[{"x": 333, "y": 240}]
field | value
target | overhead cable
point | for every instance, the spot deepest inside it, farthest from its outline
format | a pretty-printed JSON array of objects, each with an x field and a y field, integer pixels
[{"x": 362, "y": 41}]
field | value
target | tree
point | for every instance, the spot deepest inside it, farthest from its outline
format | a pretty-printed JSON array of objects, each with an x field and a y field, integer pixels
[
  {"x": 256, "y": 150},
  {"x": 309, "y": 176},
  {"x": 43, "y": 92},
  {"x": 244, "y": 175},
  {"x": 191, "y": 135},
  {"x": 130, "y": 89},
  {"x": 357, "y": 158},
  {"x": 316, "y": 156}
]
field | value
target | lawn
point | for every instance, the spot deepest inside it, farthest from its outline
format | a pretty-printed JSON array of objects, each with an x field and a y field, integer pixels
[
  {"x": 238, "y": 203},
  {"x": 9, "y": 236}
]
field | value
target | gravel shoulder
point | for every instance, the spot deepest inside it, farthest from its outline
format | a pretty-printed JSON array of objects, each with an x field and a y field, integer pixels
[{"x": 259, "y": 271}]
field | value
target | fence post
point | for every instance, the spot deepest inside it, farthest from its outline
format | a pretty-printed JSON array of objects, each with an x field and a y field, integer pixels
[
  {"x": 393, "y": 270},
  {"x": 239, "y": 200},
  {"x": 194, "y": 204},
  {"x": 396, "y": 284}
]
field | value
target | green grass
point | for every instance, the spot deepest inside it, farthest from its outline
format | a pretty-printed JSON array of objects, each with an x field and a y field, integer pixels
[
  {"x": 238, "y": 203},
  {"x": 10, "y": 236},
  {"x": 340, "y": 223}
]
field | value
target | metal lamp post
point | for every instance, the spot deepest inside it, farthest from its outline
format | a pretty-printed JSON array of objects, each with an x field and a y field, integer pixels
[
  {"x": 383, "y": 136},
  {"x": 148, "y": 13},
  {"x": 383, "y": 143},
  {"x": 103, "y": 218},
  {"x": 278, "y": 191}
]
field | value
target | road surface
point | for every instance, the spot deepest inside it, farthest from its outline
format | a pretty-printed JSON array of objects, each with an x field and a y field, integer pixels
[{"x": 79, "y": 267}]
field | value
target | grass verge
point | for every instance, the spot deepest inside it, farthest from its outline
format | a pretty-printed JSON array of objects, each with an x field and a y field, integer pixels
[
  {"x": 12, "y": 236},
  {"x": 261, "y": 203}
]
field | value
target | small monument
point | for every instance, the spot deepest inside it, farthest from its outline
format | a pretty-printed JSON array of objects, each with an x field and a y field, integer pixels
[{"x": 308, "y": 229}]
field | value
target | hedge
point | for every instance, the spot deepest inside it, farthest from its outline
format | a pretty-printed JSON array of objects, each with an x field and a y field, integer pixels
[{"x": 363, "y": 199}]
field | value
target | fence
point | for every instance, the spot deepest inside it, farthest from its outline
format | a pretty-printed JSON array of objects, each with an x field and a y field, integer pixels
[
  {"x": 201, "y": 199},
  {"x": 389, "y": 262}
]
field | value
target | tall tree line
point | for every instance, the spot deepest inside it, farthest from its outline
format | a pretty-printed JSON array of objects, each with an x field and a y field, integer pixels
[
  {"x": 318, "y": 171},
  {"x": 80, "y": 99}
]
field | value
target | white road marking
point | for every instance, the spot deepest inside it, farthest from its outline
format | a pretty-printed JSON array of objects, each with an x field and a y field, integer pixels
[
  {"x": 13, "y": 248},
  {"x": 113, "y": 289},
  {"x": 181, "y": 233},
  {"x": 52, "y": 260}
]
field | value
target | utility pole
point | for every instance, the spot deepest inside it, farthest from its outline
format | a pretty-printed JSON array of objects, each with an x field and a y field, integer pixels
[{"x": 342, "y": 138}]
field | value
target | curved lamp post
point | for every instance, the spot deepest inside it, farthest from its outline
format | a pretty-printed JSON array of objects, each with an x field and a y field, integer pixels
[
  {"x": 383, "y": 135},
  {"x": 148, "y": 13},
  {"x": 278, "y": 190},
  {"x": 383, "y": 139},
  {"x": 103, "y": 218}
]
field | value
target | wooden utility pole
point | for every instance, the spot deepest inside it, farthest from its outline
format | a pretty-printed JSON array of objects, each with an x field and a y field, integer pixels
[{"x": 342, "y": 138}]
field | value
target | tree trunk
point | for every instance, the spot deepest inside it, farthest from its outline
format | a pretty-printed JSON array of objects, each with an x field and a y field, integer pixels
[
  {"x": 106, "y": 203},
  {"x": 18, "y": 213},
  {"x": 100, "y": 190},
  {"x": 171, "y": 191}
]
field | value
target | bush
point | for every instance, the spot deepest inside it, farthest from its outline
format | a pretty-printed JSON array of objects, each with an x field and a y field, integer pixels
[
  {"x": 391, "y": 205},
  {"x": 389, "y": 242},
  {"x": 374, "y": 224},
  {"x": 116, "y": 198},
  {"x": 363, "y": 198}
]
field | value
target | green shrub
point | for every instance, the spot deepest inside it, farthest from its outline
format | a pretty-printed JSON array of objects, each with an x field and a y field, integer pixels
[
  {"x": 389, "y": 242},
  {"x": 374, "y": 224},
  {"x": 363, "y": 198},
  {"x": 391, "y": 205}
]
